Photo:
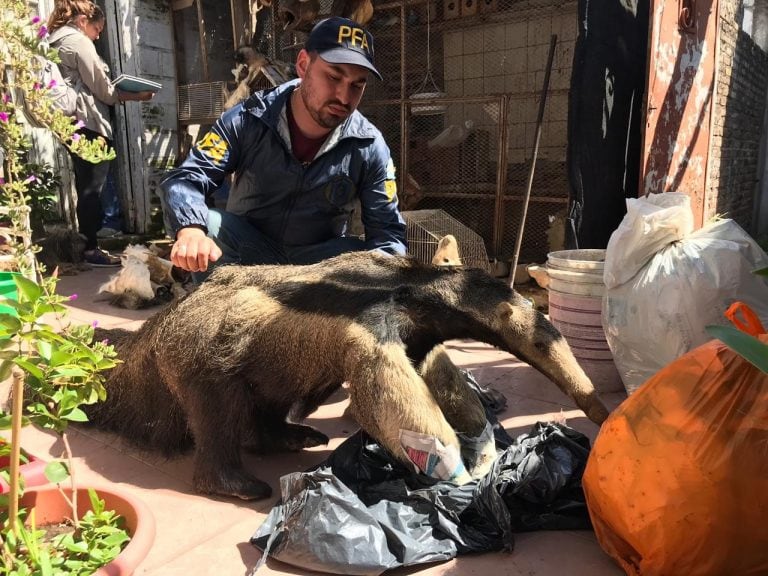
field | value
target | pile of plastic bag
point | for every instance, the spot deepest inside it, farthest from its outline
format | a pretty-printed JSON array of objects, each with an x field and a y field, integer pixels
[{"x": 362, "y": 512}]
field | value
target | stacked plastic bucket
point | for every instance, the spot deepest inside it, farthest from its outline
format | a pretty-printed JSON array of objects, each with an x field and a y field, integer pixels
[{"x": 575, "y": 308}]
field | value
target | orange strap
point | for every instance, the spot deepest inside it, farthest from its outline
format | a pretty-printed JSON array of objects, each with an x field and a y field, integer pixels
[{"x": 750, "y": 325}]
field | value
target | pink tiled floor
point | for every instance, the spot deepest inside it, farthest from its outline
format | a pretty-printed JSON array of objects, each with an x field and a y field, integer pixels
[{"x": 199, "y": 535}]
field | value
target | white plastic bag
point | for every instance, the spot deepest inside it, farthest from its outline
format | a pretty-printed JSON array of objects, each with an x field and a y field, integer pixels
[
  {"x": 665, "y": 284},
  {"x": 429, "y": 455},
  {"x": 650, "y": 224}
]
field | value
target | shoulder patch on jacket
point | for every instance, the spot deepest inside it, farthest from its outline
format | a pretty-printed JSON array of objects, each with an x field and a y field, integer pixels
[
  {"x": 214, "y": 147},
  {"x": 390, "y": 170},
  {"x": 390, "y": 187}
]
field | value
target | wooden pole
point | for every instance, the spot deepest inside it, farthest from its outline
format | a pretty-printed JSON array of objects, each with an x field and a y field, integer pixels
[
  {"x": 526, "y": 200},
  {"x": 17, "y": 393}
]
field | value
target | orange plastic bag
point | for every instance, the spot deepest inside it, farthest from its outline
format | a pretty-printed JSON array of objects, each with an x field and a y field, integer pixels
[{"x": 677, "y": 480}]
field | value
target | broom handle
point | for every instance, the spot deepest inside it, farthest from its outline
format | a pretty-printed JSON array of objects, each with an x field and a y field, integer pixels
[{"x": 539, "y": 120}]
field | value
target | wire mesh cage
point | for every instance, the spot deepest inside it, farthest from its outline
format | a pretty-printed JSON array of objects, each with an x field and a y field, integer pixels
[
  {"x": 468, "y": 148},
  {"x": 201, "y": 101},
  {"x": 425, "y": 229},
  {"x": 458, "y": 109}
]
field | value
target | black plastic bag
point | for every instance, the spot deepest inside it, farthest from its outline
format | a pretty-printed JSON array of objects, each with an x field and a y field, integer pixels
[
  {"x": 362, "y": 512},
  {"x": 540, "y": 481}
]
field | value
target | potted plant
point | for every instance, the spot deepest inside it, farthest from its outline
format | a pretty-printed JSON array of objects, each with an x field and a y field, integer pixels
[
  {"x": 57, "y": 367},
  {"x": 31, "y": 468},
  {"x": 747, "y": 346}
]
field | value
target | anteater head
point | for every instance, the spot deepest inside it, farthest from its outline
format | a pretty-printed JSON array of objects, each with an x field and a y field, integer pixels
[
  {"x": 530, "y": 336},
  {"x": 484, "y": 308}
]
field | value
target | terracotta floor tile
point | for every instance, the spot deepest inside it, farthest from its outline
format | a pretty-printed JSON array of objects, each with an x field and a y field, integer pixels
[
  {"x": 226, "y": 552},
  {"x": 198, "y": 535},
  {"x": 197, "y": 524}
]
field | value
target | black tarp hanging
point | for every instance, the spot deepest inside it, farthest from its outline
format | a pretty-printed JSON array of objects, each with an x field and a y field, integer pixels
[{"x": 605, "y": 120}]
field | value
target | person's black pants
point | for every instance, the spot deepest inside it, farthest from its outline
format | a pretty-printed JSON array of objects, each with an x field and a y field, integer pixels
[{"x": 89, "y": 182}]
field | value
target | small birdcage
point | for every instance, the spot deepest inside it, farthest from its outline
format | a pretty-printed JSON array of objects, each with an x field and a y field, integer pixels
[{"x": 427, "y": 227}]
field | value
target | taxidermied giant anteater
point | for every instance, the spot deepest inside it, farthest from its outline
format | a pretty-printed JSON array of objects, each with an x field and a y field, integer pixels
[{"x": 256, "y": 346}]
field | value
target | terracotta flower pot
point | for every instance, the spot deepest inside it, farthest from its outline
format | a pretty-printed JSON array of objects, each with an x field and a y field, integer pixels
[
  {"x": 33, "y": 471},
  {"x": 50, "y": 507}
]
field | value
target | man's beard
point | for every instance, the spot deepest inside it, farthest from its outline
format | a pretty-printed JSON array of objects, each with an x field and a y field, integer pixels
[{"x": 326, "y": 120}]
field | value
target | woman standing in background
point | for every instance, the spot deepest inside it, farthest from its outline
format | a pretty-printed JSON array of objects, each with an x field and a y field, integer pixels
[{"x": 73, "y": 26}]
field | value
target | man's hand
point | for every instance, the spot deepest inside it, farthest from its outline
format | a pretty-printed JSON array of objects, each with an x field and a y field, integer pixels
[{"x": 193, "y": 250}]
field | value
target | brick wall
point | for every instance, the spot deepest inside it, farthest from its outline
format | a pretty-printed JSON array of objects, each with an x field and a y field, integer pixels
[{"x": 737, "y": 121}]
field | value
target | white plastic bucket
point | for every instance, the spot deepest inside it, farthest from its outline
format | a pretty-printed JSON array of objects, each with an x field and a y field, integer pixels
[{"x": 575, "y": 308}]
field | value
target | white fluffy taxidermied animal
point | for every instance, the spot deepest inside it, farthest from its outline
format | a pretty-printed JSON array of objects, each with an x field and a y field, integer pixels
[{"x": 142, "y": 274}]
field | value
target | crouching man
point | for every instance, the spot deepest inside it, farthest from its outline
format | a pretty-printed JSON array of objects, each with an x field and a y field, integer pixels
[{"x": 301, "y": 155}]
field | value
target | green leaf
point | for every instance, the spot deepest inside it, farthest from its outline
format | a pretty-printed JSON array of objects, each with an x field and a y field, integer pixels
[
  {"x": 761, "y": 271},
  {"x": 46, "y": 568},
  {"x": 30, "y": 368},
  {"x": 5, "y": 369},
  {"x": 31, "y": 291},
  {"x": 59, "y": 357},
  {"x": 56, "y": 472},
  {"x": 7, "y": 419},
  {"x": 70, "y": 371},
  {"x": 97, "y": 504},
  {"x": 76, "y": 415},
  {"x": 748, "y": 347},
  {"x": 9, "y": 321},
  {"x": 92, "y": 396},
  {"x": 116, "y": 539},
  {"x": 76, "y": 547},
  {"x": 45, "y": 349},
  {"x": 47, "y": 308}
]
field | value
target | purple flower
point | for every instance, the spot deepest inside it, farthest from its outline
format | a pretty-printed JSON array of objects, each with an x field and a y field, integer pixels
[
  {"x": 95, "y": 323},
  {"x": 79, "y": 124},
  {"x": 36, "y": 86},
  {"x": 73, "y": 297},
  {"x": 2, "y": 181},
  {"x": 31, "y": 178},
  {"x": 35, "y": 19},
  {"x": 52, "y": 83},
  {"x": 3, "y": 117},
  {"x": 43, "y": 31},
  {"x": 105, "y": 341},
  {"x": 75, "y": 137},
  {"x": 6, "y": 97}
]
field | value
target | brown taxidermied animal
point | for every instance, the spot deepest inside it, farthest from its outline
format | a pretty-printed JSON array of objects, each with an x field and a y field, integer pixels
[
  {"x": 248, "y": 64},
  {"x": 227, "y": 365},
  {"x": 298, "y": 15},
  {"x": 361, "y": 11}
]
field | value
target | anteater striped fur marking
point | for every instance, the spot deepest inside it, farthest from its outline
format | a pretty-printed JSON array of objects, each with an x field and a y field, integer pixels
[{"x": 256, "y": 348}]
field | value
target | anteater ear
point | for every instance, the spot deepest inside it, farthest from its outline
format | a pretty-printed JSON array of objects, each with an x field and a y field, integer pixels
[
  {"x": 447, "y": 253},
  {"x": 505, "y": 311}
]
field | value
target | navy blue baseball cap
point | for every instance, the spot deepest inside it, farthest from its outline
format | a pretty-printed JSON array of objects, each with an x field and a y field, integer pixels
[{"x": 342, "y": 41}]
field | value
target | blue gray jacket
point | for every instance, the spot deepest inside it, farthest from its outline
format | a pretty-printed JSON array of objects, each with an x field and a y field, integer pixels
[{"x": 295, "y": 204}]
